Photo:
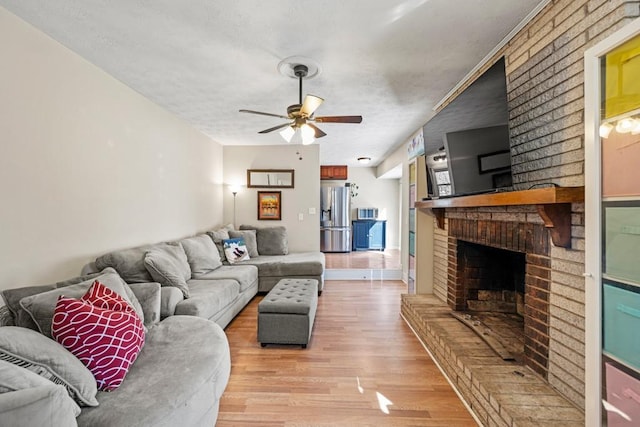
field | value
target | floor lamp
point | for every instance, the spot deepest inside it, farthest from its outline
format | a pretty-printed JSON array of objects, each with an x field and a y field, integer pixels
[{"x": 234, "y": 191}]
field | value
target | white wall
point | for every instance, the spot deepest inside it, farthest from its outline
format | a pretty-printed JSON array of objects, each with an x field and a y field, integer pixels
[
  {"x": 375, "y": 193},
  {"x": 88, "y": 165},
  {"x": 303, "y": 235}
]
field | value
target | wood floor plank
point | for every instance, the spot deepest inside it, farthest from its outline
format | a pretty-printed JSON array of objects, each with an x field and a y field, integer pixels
[{"x": 358, "y": 340}]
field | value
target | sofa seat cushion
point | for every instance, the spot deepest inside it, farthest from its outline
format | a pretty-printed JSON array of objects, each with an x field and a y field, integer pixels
[
  {"x": 291, "y": 265},
  {"x": 208, "y": 297},
  {"x": 245, "y": 275},
  {"x": 182, "y": 370}
]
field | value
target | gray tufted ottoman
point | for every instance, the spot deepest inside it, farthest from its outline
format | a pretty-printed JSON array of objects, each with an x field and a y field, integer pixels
[{"x": 286, "y": 314}]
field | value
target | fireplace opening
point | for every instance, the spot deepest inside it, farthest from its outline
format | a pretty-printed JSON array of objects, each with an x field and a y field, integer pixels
[
  {"x": 502, "y": 261},
  {"x": 492, "y": 282},
  {"x": 492, "y": 279}
]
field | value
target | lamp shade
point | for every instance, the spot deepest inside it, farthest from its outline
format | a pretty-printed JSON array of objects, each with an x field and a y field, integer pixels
[
  {"x": 308, "y": 134},
  {"x": 287, "y": 133}
]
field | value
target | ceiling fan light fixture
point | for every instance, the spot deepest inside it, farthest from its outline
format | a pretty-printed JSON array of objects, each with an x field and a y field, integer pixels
[
  {"x": 308, "y": 134},
  {"x": 287, "y": 133},
  {"x": 310, "y": 104},
  {"x": 364, "y": 160}
]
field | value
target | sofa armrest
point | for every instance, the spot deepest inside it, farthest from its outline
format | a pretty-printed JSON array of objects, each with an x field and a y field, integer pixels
[
  {"x": 149, "y": 296},
  {"x": 170, "y": 297}
]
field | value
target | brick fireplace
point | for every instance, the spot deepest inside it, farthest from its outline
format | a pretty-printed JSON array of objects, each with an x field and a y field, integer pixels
[{"x": 521, "y": 242}]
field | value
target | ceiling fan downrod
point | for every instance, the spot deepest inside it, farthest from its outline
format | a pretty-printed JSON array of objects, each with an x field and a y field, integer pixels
[{"x": 300, "y": 70}]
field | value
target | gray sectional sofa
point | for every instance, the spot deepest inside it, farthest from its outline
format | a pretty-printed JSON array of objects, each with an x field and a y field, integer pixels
[
  {"x": 177, "y": 379},
  {"x": 185, "y": 291},
  {"x": 201, "y": 282}
]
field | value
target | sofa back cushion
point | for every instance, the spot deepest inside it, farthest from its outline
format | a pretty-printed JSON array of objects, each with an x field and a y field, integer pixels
[
  {"x": 249, "y": 237},
  {"x": 150, "y": 297},
  {"x": 218, "y": 236},
  {"x": 270, "y": 240},
  {"x": 202, "y": 255},
  {"x": 168, "y": 266},
  {"x": 129, "y": 263}
]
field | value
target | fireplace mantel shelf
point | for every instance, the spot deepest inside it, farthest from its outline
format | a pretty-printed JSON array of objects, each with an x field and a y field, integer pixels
[{"x": 553, "y": 204}]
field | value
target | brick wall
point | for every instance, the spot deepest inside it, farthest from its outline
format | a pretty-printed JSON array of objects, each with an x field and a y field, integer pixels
[
  {"x": 545, "y": 77},
  {"x": 440, "y": 237}
]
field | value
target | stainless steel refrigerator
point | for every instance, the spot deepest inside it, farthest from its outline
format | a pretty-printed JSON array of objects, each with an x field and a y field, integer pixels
[{"x": 335, "y": 219}]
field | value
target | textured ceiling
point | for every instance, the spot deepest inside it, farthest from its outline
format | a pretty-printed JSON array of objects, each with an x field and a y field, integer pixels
[{"x": 389, "y": 61}]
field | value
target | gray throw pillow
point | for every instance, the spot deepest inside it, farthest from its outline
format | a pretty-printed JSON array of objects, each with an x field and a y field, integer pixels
[
  {"x": 219, "y": 236},
  {"x": 202, "y": 254},
  {"x": 45, "y": 357},
  {"x": 270, "y": 240},
  {"x": 41, "y": 306},
  {"x": 249, "y": 237},
  {"x": 12, "y": 298},
  {"x": 168, "y": 266},
  {"x": 14, "y": 378}
]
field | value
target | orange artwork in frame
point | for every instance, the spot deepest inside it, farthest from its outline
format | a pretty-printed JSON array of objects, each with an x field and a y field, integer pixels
[{"x": 269, "y": 205}]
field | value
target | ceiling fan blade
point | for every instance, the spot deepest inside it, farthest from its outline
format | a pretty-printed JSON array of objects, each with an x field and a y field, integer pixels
[
  {"x": 339, "y": 119},
  {"x": 264, "y": 114},
  {"x": 310, "y": 104},
  {"x": 318, "y": 131},
  {"x": 275, "y": 128}
]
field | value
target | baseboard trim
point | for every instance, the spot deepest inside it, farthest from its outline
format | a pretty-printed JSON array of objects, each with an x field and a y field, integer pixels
[{"x": 362, "y": 274}]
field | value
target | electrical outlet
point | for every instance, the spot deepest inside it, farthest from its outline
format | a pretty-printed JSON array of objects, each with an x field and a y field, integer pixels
[
  {"x": 300, "y": 216},
  {"x": 312, "y": 211}
]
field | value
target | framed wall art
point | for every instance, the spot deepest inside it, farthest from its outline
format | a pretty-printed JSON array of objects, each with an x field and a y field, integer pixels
[{"x": 269, "y": 205}]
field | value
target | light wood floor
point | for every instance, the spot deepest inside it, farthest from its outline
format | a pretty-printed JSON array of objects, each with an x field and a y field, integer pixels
[{"x": 359, "y": 339}]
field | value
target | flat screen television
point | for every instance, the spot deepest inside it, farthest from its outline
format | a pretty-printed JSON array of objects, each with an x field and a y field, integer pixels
[{"x": 479, "y": 160}]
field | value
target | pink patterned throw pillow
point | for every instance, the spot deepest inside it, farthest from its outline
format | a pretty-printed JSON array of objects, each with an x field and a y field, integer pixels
[{"x": 102, "y": 330}]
